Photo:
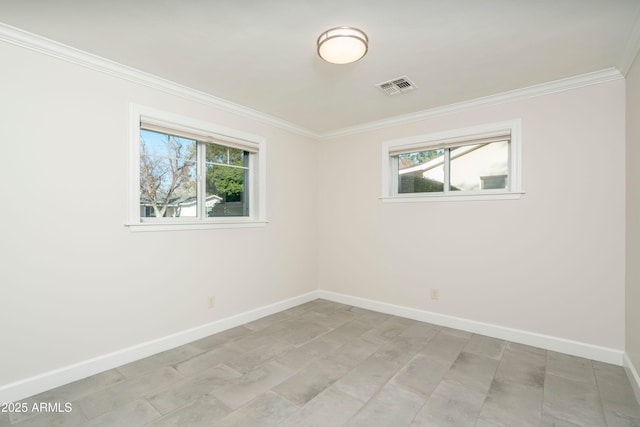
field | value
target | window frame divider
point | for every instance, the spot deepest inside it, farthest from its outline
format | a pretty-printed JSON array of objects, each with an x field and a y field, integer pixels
[{"x": 446, "y": 185}]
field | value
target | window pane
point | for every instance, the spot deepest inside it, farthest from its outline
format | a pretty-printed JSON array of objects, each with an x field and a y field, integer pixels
[
  {"x": 480, "y": 166},
  {"x": 226, "y": 181},
  {"x": 167, "y": 175},
  {"x": 421, "y": 171}
]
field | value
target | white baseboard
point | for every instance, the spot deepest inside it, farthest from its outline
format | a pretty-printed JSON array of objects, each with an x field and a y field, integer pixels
[
  {"x": 575, "y": 348},
  {"x": 34, "y": 385},
  {"x": 634, "y": 379}
]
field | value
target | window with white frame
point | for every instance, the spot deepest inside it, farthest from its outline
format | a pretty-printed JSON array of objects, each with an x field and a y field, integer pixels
[
  {"x": 471, "y": 163},
  {"x": 192, "y": 174}
]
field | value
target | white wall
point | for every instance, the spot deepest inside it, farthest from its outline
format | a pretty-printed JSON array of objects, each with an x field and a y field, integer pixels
[
  {"x": 550, "y": 263},
  {"x": 633, "y": 214},
  {"x": 76, "y": 283}
]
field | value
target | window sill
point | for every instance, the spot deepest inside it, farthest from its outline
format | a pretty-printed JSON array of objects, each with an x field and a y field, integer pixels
[
  {"x": 440, "y": 197},
  {"x": 167, "y": 226}
]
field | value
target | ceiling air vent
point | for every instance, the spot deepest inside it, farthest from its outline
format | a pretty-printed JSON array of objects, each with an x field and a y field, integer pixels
[{"x": 397, "y": 85}]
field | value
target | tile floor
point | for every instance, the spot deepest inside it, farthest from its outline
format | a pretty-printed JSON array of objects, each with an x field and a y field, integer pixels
[{"x": 327, "y": 364}]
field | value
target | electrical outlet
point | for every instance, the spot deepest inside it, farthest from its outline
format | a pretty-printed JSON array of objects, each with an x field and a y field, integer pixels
[
  {"x": 211, "y": 301},
  {"x": 435, "y": 293}
]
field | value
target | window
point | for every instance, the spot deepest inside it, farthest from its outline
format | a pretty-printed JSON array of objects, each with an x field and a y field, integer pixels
[
  {"x": 190, "y": 174},
  {"x": 472, "y": 163}
]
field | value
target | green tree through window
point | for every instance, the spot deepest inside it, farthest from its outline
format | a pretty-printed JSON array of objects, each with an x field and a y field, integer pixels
[{"x": 226, "y": 178}]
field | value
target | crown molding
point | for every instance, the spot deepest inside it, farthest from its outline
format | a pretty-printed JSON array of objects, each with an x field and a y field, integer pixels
[
  {"x": 500, "y": 98},
  {"x": 61, "y": 51}
]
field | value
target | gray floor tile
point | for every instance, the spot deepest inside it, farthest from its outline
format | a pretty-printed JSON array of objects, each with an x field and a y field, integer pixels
[
  {"x": 300, "y": 309},
  {"x": 367, "y": 378},
  {"x": 473, "y": 371},
  {"x": 299, "y": 357},
  {"x": 224, "y": 337},
  {"x": 207, "y": 360},
  {"x": 330, "y": 320},
  {"x": 166, "y": 358},
  {"x": 47, "y": 419},
  {"x": 450, "y": 405},
  {"x": 401, "y": 349},
  {"x": 136, "y": 413},
  {"x": 511, "y": 403},
  {"x": 309, "y": 382},
  {"x": 485, "y": 346},
  {"x": 385, "y": 331},
  {"x": 262, "y": 338},
  {"x": 328, "y": 364},
  {"x": 523, "y": 365},
  {"x": 80, "y": 388},
  {"x": 550, "y": 421},
  {"x": 484, "y": 423},
  {"x": 332, "y": 407},
  {"x": 616, "y": 419},
  {"x": 423, "y": 331},
  {"x": 190, "y": 389},
  {"x": 615, "y": 389},
  {"x": 124, "y": 392},
  {"x": 369, "y": 317},
  {"x": 266, "y": 321},
  {"x": 346, "y": 332},
  {"x": 456, "y": 332},
  {"x": 201, "y": 413},
  {"x": 354, "y": 352},
  {"x": 574, "y": 401},
  {"x": 445, "y": 346},
  {"x": 266, "y": 410},
  {"x": 300, "y": 332},
  {"x": 252, "y": 384},
  {"x": 570, "y": 367},
  {"x": 523, "y": 348},
  {"x": 392, "y": 406},
  {"x": 248, "y": 360},
  {"x": 421, "y": 375},
  {"x": 330, "y": 307},
  {"x": 408, "y": 322},
  {"x": 70, "y": 392}
]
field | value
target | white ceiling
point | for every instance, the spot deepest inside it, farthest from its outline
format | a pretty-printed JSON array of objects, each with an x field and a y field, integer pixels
[{"x": 262, "y": 53}]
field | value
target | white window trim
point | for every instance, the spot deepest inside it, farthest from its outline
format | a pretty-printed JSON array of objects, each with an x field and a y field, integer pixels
[
  {"x": 389, "y": 192},
  {"x": 257, "y": 202}
]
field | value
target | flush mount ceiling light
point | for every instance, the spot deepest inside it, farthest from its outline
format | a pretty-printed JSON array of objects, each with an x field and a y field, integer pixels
[{"x": 342, "y": 45}]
